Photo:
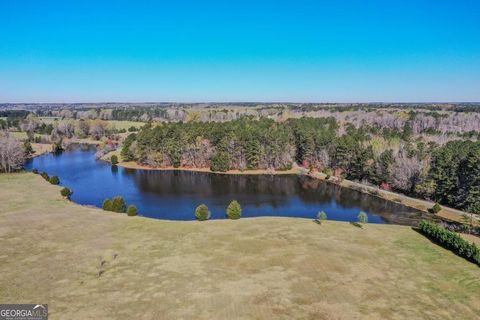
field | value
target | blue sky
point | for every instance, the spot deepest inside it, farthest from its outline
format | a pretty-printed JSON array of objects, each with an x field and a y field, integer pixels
[{"x": 305, "y": 51}]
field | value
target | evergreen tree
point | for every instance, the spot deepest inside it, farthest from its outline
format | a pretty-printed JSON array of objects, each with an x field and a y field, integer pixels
[
  {"x": 118, "y": 205},
  {"x": 234, "y": 210},
  {"x": 126, "y": 153},
  {"x": 202, "y": 213},
  {"x": 252, "y": 153},
  {"x": 132, "y": 210},
  {"x": 107, "y": 205}
]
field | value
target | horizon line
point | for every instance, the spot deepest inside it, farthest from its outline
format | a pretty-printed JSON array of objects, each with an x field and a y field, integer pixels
[{"x": 249, "y": 102}]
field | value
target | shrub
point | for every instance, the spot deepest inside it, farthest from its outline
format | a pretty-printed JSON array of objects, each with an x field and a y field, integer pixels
[
  {"x": 132, "y": 210},
  {"x": 57, "y": 147},
  {"x": 65, "y": 192},
  {"x": 45, "y": 176},
  {"x": 234, "y": 210},
  {"x": 202, "y": 213},
  {"x": 436, "y": 208},
  {"x": 35, "y": 171},
  {"x": 450, "y": 240},
  {"x": 114, "y": 159},
  {"x": 27, "y": 147},
  {"x": 54, "y": 180},
  {"x": 286, "y": 167},
  {"x": 327, "y": 171},
  {"x": 322, "y": 215},
  {"x": 132, "y": 129},
  {"x": 118, "y": 205},
  {"x": 362, "y": 217},
  {"x": 107, "y": 205}
]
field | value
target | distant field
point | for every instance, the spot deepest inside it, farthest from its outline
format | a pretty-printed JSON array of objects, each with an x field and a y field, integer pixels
[
  {"x": 125, "y": 124},
  {"x": 19, "y": 135},
  {"x": 49, "y": 120},
  {"x": 90, "y": 264},
  {"x": 117, "y": 124}
]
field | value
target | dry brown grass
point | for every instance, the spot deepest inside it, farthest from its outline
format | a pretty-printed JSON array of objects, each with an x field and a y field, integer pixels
[
  {"x": 41, "y": 148},
  {"x": 90, "y": 264}
]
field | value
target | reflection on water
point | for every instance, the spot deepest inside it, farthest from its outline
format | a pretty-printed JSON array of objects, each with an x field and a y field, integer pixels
[{"x": 175, "y": 194}]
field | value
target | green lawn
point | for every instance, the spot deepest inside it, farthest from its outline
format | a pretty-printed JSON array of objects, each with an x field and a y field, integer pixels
[{"x": 52, "y": 251}]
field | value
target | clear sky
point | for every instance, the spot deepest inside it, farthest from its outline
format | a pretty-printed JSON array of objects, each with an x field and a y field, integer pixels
[{"x": 297, "y": 50}]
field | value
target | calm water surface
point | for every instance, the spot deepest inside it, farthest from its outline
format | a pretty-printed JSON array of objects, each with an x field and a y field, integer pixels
[{"x": 175, "y": 194}]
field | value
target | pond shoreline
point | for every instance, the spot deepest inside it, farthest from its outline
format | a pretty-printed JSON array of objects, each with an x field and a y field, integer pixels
[{"x": 448, "y": 214}]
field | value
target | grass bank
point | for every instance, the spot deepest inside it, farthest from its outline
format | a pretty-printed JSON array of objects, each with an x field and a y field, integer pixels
[{"x": 87, "y": 263}]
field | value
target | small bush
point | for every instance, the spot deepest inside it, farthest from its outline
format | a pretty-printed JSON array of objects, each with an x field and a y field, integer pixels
[
  {"x": 436, "y": 208},
  {"x": 27, "y": 147},
  {"x": 57, "y": 147},
  {"x": 286, "y": 167},
  {"x": 450, "y": 240},
  {"x": 362, "y": 217},
  {"x": 35, "y": 171},
  {"x": 54, "y": 180},
  {"x": 118, "y": 205},
  {"x": 322, "y": 216},
  {"x": 114, "y": 159},
  {"x": 132, "y": 129},
  {"x": 132, "y": 210},
  {"x": 327, "y": 171},
  {"x": 45, "y": 176},
  {"x": 202, "y": 213},
  {"x": 107, "y": 205},
  {"x": 234, "y": 210},
  {"x": 65, "y": 192}
]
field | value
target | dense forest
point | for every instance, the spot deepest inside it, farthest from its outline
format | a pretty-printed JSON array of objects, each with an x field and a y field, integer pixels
[{"x": 388, "y": 158}]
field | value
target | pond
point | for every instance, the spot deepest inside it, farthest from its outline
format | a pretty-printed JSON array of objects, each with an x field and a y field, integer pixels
[{"x": 174, "y": 195}]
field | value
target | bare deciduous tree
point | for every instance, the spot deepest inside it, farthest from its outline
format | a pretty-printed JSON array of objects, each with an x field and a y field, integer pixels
[
  {"x": 98, "y": 129},
  {"x": 12, "y": 154},
  {"x": 406, "y": 172}
]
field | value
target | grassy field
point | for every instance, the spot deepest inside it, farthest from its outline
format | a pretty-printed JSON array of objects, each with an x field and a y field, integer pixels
[
  {"x": 87, "y": 263},
  {"x": 125, "y": 124},
  {"x": 21, "y": 135},
  {"x": 18, "y": 135},
  {"x": 49, "y": 120},
  {"x": 115, "y": 123}
]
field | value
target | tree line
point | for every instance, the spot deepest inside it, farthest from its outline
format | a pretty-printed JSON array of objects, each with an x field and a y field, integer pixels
[{"x": 392, "y": 159}]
